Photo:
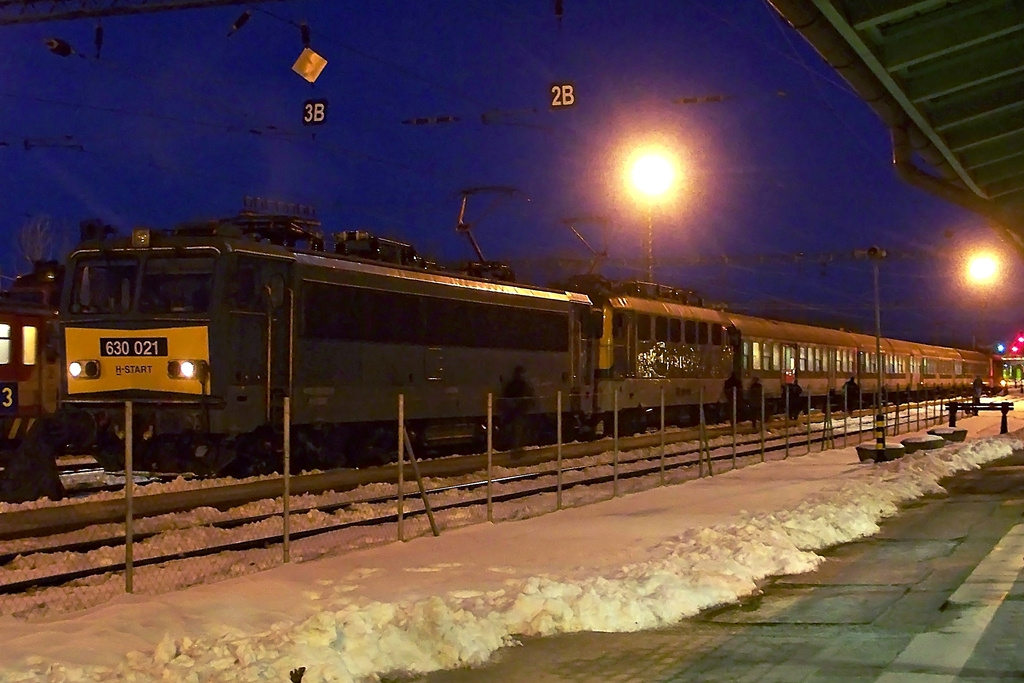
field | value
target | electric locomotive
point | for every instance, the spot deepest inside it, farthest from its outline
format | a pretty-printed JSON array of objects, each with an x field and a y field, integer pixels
[{"x": 206, "y": 328}]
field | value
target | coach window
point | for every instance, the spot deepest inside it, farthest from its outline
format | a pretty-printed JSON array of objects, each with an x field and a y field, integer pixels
[
  {"x": 661, "y": 329},
  {"x": 757, "y": 355},
  {"x": 746, "y": 355},
  {"x": 702, "y": 333},
  {"x": 716, "y": 335},
  {"x": 803, "y": 359},
  {"x": 5, "y": 344},
  {"x": 28, "y": 345},
  {"x": 643, "y": 327},
  {"x": 690, "y": 328},
  {"x": 675, "y": 330},
  {"x": 766, "y": 356}
]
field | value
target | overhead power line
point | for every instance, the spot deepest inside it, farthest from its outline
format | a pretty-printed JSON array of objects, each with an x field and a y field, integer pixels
[{"x": 40, "y": 11}]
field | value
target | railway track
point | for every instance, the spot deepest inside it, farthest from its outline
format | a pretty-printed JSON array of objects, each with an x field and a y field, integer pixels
[{"x": 645, "y": 464}]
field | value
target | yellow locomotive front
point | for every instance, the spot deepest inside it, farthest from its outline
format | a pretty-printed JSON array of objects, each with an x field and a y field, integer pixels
[{"x": 135, "y": 326}]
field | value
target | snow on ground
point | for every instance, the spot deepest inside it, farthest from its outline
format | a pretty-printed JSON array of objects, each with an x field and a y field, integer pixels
[{"x": 635, "y": 562}]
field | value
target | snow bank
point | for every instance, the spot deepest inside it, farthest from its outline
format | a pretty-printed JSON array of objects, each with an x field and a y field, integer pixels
[{"x": 351, "y": 639}]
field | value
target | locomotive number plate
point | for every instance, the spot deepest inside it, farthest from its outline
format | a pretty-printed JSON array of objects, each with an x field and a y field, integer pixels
[{"x": 126, "y": 347}]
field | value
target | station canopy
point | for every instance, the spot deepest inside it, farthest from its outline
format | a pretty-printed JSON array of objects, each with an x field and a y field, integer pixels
[{"x": 947, "y": 78}]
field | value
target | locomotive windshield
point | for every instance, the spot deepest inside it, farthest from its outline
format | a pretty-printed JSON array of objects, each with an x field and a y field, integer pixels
[
  {"x": 176, "y": 285},
  {"x": 104, "y": 286},
  {"x": 169, "y": 284}
]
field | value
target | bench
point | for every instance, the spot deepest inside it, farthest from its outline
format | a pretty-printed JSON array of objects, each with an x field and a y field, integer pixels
[{"x": 970, "y": 406}]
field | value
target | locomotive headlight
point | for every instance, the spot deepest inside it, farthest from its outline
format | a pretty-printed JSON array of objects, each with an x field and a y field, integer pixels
[
  {"x": 85, "y": 369},
  {"x": 186, "y": 369}
]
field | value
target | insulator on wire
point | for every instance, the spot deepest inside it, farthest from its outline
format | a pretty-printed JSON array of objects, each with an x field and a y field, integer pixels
[
  {"x": 304, "y": 30},
  {"x": 240, "y": 22},
  {"x": 59, "y": 47},
  {"x": 428, "y": 120},
  {"x": 98, "y": 39}
]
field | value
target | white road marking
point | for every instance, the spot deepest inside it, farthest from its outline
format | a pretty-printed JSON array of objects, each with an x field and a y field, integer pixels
[{"x": 938, "y": 657}]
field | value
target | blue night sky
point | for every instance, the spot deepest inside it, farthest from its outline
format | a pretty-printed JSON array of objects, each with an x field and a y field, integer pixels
[{"x": 176, "y": 122}]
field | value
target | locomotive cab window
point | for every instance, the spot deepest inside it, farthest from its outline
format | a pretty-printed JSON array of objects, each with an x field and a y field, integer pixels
[
  {"x": 5, "y": 343},
  {"x": 104, "y": 286},
  {"x": 177, "y": 285}
]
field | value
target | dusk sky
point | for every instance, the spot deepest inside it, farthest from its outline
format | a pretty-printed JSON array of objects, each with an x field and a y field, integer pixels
[{"x": 176, "y": 121}]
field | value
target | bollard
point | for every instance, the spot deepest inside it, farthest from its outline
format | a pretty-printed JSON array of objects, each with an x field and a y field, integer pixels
[
  {"x": 953, "y": 407},
  {"x": 286, "y": 506},
  {"x": 1003, "y": 427},
  {"x": 879, "y": 425},
  {"x": 401, "y": 466},
  {"x": 129, "y": 526}
]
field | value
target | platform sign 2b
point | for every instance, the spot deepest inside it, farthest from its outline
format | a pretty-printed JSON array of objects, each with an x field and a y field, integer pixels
[
  {"x": 314, "y": 112},
  {"x": 8, "y": 398},
  {"x": 563, "y": 95}
]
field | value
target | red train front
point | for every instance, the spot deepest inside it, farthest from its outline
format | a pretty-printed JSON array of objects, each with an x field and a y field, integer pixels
[{"x": 29, "y": 364}]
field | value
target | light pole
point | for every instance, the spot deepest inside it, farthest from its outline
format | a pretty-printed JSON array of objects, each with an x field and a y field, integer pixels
[
  {"x": 651, "y": 173},
  {"x": 876, "y": 255}
]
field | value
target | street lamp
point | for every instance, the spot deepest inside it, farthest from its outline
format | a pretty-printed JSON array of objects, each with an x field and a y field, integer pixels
[
  {"x": 652, "y": 173},
  {"x": 982, "y": 269}
]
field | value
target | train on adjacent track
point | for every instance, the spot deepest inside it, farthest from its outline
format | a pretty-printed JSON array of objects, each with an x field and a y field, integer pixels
[
  {"x": 206, "y": 328},
  {"x": 30, "y": 367}
]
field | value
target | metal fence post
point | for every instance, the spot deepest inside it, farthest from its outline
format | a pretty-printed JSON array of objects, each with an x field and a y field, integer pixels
[
  {"x": 734, "y": 427},
  {"x": 762, "y": 426},
  {"x": 846, "y": 417},
  {"x": 662, "y": 459},
  {"x": 615, "y": 451},
  {"x": 558, "y": 490},
  {"x": 787, "y": 424},
  {"x": 490, "y": 455},
  {"x": 286, "y": 500},
  {"x": 129, "y": 525},
  {"x": 808, "y": 423},
  {"x": 401, "y": 467}
]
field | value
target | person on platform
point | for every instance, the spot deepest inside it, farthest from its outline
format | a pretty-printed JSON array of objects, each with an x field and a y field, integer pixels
[
  {"x": 755, "y": 397},
  {"x": 852, "y": 391},
  {"x": 733, "y": 388}
]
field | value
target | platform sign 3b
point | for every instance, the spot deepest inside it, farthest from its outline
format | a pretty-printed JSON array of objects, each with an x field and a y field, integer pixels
[
  {"x": 8, "y": 398},
  {"x": 314, "y": 112}
]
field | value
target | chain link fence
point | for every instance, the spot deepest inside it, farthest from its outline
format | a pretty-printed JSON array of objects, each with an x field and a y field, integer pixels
[{"x": 522, "y": 455}]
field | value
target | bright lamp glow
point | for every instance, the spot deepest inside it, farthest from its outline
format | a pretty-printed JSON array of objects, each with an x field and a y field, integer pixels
[
  {"x": 75, "y": 368},
  {"x": 982, "y": 269},
  {"x": 1000, "y": 348},
  {"x": 188, "y": 369},
  {"x": 652, "y": 173}
]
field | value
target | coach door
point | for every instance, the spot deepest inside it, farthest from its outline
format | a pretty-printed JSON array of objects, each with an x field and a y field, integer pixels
[{"x": 788, "y": 364}]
